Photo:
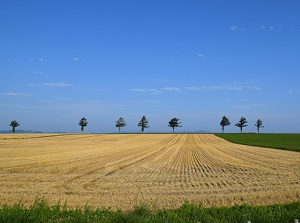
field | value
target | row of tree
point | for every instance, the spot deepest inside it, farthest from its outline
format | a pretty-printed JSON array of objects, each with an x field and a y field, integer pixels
[
  {"x": 241, "y": 123},
  {"x": 173, "y": 123},
  {"x": 143, "y": 123}
]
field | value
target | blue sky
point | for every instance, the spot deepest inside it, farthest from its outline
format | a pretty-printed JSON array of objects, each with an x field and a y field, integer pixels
[{"x": 194, "y": 60}]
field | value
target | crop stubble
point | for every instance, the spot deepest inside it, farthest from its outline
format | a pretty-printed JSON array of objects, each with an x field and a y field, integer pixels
[{"x": 121, "y": 171}]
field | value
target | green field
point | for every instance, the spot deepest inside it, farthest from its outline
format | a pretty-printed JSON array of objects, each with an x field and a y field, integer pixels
[
  {"x": 277, "y": 141},
  {"x": 41, "y": 212}
]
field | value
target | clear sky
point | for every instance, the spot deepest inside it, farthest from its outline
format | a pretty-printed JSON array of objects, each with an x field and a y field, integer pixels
[{"x": 196, "y": 60}]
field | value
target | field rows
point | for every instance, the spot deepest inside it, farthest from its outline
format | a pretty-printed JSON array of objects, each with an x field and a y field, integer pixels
[{"x": 121, "y": 171}]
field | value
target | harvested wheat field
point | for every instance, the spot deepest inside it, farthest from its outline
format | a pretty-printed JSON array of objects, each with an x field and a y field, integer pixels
[{"x": 163, "y": 170}]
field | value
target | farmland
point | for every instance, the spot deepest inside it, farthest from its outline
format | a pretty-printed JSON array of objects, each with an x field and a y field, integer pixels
[{"x": 163, "y": 170}]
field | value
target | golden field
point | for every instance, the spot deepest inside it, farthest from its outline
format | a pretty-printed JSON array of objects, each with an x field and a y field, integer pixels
[{"x": 163, "y": 170}]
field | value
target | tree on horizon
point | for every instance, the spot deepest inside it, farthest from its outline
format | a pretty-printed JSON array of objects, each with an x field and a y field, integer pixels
[
  {"x": 143, "y": 123},
  {"x": 120, "y": 123},
  {"x": 242, "y": 123},
  {"x": 224, "y": 122},
  {"x": 174, "y": 122},
  {"x": 83, "y": 123},
  {"x": 14, "y": 124},
  {"x": 259, "y": 124}
]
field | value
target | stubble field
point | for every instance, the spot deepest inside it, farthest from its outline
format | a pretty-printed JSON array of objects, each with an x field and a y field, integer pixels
[{"x": 163, "y": 170}]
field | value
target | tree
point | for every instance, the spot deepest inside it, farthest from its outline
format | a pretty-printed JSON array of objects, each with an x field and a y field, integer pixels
[
  {"x": 83, "y": 122},
  {"x": 242, "y": 123},
  {"x": 120, "y": 123},
  {"x": 259, "y": 124},
  {"x": 143, "y": 123},
  {"x": 174, "y": 122},
  {"x": 224, "y": 122},
  {"x": 14, "y": 124}
]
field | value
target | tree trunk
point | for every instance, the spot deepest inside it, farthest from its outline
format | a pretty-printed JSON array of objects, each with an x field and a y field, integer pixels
[
  {"x": 13, "y": 130},
  {"x": 222, "y": 129}
]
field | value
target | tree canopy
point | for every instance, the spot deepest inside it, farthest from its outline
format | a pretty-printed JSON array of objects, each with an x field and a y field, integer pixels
[
  {"x": 242, "y": 123},
  {"x": 83, "y": 122},
  {"x": 14, "y": 124},
  {"x": 259, "y": 124},
  {"x": 120, "y": 123},
  {"x": 143, "y": 123},
  {"x": 224, "y": 122},
  {"x": 174, "y": 123}
]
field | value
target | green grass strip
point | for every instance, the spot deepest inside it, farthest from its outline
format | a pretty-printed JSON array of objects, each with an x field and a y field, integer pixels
[
  {"x": 41, "y": 212},
  {"x": 278, "y": 141}
]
